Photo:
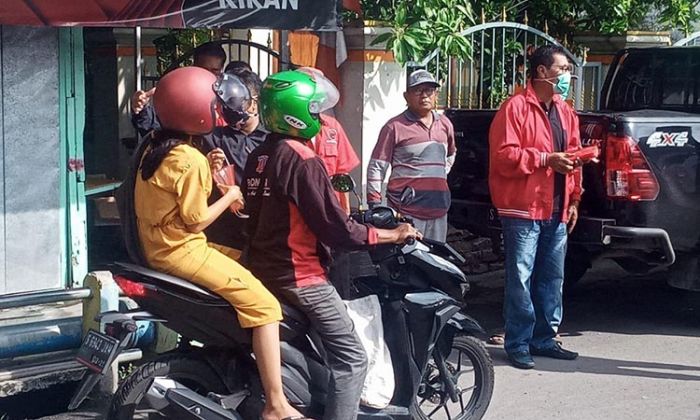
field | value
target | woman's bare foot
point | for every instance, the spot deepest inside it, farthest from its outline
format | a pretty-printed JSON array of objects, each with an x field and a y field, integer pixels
[{"x": 281, "y": 412}]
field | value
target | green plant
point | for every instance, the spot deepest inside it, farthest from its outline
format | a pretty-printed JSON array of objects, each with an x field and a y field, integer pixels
[
  {"x": 170, "y": 47},
  {"x": 680, "y": 14},
  {"x": 420, "y": 26},
  {"x": 565, "y": 17}
]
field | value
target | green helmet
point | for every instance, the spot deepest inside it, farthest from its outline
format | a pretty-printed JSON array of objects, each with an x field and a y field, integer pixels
[{"x": 290, "y": 102}]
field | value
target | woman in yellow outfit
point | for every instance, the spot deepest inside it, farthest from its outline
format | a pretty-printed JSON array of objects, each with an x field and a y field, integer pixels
[{"x": 170, "y": 201}]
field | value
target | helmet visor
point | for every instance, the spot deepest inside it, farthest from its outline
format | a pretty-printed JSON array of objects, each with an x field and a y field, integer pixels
[
  {"x": 325, "y": 96},
  {"x": 234, "y": 98}
]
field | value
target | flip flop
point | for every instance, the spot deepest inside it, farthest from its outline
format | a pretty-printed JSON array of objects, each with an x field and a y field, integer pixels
[
  {"x": 297, "y": 418},
  {"x": 496, "y": 340}
]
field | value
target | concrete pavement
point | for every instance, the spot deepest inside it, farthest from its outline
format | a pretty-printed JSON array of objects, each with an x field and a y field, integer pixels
[{"x": 639, "y": 345}]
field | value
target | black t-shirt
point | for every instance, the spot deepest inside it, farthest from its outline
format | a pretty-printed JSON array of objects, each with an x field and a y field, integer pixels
[
  {"x": 559, "y": 141},
  {"x": 229, "y": 229}
]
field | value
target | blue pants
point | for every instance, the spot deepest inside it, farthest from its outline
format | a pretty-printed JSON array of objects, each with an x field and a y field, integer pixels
[{"x": 534, "y": 265}]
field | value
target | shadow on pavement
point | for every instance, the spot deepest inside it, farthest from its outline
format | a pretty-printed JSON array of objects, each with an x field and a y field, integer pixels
[{"x": 602, "y": 366}]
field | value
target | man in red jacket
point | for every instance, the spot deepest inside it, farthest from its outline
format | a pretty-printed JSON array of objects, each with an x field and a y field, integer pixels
[{"x": 536, "y": 188}]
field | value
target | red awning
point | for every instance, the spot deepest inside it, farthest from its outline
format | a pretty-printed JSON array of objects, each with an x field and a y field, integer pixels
[{"x": 317, "y": 15}]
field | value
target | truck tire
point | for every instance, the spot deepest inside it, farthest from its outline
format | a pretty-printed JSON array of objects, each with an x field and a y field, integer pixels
[
  {"x": 576, "y": 265},
  {"x": 188, "y": 370}
]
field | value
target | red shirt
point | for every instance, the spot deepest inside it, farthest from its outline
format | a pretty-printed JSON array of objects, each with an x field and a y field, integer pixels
[{"x": 332, "y": 145}]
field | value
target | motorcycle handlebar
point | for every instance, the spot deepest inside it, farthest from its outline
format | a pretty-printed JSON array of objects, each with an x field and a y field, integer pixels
[{"x": 381, "y": 217}]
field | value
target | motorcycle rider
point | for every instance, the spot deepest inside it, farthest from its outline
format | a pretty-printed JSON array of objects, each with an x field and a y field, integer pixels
[
  {"x": 170, "y": 202},
  {"x": 295, "y": 216}
]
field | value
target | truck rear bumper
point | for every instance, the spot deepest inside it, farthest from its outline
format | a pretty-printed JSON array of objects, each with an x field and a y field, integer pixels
[
  {"x": 652, "y": 246},
  {"x": 636, "y": 249}
]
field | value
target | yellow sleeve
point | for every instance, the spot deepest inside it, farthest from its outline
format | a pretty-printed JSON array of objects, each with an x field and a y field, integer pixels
[{"x": 193, "y": 189}]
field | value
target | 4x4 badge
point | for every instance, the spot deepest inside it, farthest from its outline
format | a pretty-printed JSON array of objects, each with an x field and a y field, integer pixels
[{"x": 663, "y": 139}]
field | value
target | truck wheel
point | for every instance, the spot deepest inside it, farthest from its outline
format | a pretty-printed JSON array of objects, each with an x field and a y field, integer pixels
[
  {"x": 574, "y": 269},
  {"x": 189, "y": 371},
  {"x": 685, "y": 272}
]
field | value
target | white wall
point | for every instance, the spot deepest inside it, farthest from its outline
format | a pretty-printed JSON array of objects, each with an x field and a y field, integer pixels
[
  {"x": 371, "y": 94},
  {"x": 32, "y": 247}
]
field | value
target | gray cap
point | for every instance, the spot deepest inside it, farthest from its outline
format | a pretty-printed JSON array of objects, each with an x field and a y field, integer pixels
[{"x": 420, "y": 77}]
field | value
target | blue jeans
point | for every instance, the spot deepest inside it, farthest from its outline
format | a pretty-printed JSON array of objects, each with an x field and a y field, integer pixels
[{"x": 534, "y": 265}]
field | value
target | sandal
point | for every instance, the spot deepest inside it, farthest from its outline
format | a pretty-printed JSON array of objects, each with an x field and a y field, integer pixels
[
  {"x": 297, "y": 418},
  {"x": 496, "y": 340}
]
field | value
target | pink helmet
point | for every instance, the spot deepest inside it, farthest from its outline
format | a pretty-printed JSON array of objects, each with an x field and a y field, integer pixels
[{"x": 185, "y": 101}]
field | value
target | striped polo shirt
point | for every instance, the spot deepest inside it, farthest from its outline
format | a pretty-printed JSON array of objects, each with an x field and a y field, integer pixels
[{"x": 418, "y": 158}]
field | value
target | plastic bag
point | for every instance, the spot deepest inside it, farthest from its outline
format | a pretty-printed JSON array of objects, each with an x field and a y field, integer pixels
[{"x": 366, "y": 314}]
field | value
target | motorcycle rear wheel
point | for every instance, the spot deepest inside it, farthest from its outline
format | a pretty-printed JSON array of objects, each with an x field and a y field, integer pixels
[
  {"x": 190, "y": 371},
  {"x": 468, "y": 354}
]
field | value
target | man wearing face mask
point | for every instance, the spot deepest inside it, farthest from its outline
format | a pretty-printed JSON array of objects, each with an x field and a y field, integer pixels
[
  {"x": 238, "y": 88},
  {"x": 536, "y": 186}
]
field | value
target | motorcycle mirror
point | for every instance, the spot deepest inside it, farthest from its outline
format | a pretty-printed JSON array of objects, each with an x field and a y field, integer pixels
[
  {"x": 343, "y": 183},
  {"x": 407, "y": 195}
]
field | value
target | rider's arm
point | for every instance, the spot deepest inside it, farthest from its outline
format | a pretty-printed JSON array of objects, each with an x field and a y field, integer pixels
[
  {"x": 311, "y": 191},
  {"x": 379, "y": 164}
]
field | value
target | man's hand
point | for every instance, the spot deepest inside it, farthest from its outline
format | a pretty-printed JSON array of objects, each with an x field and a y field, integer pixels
[
  {"x": 216, "y": 159},
  {"x": 561, "y": 162},
  {"x": 573, "y": 216},
  {"x": 406, "y": 231},
  {"x": 140, "y": 98}
]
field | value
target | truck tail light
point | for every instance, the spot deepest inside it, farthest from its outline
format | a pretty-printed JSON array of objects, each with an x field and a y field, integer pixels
[{"x": 627, "y": 172}]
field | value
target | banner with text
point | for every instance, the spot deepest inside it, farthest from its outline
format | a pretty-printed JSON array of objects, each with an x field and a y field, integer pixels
[{"x": 319, "y": 15}]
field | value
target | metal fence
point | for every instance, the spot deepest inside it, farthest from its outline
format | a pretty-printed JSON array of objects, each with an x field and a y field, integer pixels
[
  {"x": 691, "y": 40},
  {"x": 498, "y": 67},
  {"x": 263, "y": 59}
]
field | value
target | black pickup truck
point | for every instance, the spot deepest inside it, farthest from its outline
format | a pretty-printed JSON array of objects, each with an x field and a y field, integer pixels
[{"x": 641, "y": 205}]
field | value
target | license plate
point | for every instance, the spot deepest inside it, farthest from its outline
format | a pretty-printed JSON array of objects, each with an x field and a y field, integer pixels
[{"x": 98, "y": 351}]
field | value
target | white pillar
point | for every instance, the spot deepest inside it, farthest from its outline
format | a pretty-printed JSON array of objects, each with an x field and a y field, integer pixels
[{"x": 372, "y": 86}]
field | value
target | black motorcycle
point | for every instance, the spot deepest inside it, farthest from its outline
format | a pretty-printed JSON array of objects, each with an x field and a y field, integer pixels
[{"x": 440, "y": 366}]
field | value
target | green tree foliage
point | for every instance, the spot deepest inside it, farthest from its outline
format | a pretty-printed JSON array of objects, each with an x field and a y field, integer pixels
[
  {"x": 170, "y": 47},
  {"x": 418, "y": 26}
]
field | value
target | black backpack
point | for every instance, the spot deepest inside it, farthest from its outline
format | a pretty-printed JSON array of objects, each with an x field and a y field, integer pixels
[{"x": 125, "y": 204}]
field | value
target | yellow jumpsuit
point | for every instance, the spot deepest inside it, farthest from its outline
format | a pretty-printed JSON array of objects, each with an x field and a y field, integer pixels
[{"x": 174, "y": 196}]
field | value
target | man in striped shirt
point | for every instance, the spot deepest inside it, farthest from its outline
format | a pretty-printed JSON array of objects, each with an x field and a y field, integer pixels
[{"x": 419, "y": 145}]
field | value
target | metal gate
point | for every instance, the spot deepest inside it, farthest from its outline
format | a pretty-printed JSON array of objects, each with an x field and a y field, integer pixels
[
  {"x": 497, "y": 67},
  {"x": 690, "y": 41},
  {"x": 263, "y": 59}
]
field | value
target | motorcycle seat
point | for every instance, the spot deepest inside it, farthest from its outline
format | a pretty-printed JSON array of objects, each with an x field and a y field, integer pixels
[
  {"x": 155, "y": 277},
  {"x": 291, "y": 314}
]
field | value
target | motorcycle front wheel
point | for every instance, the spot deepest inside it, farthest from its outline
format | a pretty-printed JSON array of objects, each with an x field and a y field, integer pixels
[
  {"x": 128, "y": 402},
  {"x": 470, "y": 367}
]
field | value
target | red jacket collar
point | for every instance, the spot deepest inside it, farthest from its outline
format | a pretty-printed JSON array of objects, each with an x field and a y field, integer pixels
[{"x": 531, "y": 96}]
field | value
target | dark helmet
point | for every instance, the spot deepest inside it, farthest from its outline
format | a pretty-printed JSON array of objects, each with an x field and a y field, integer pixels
[
  {"x": 185, "y": 101},
  {"x": 234, "y": 98}
]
